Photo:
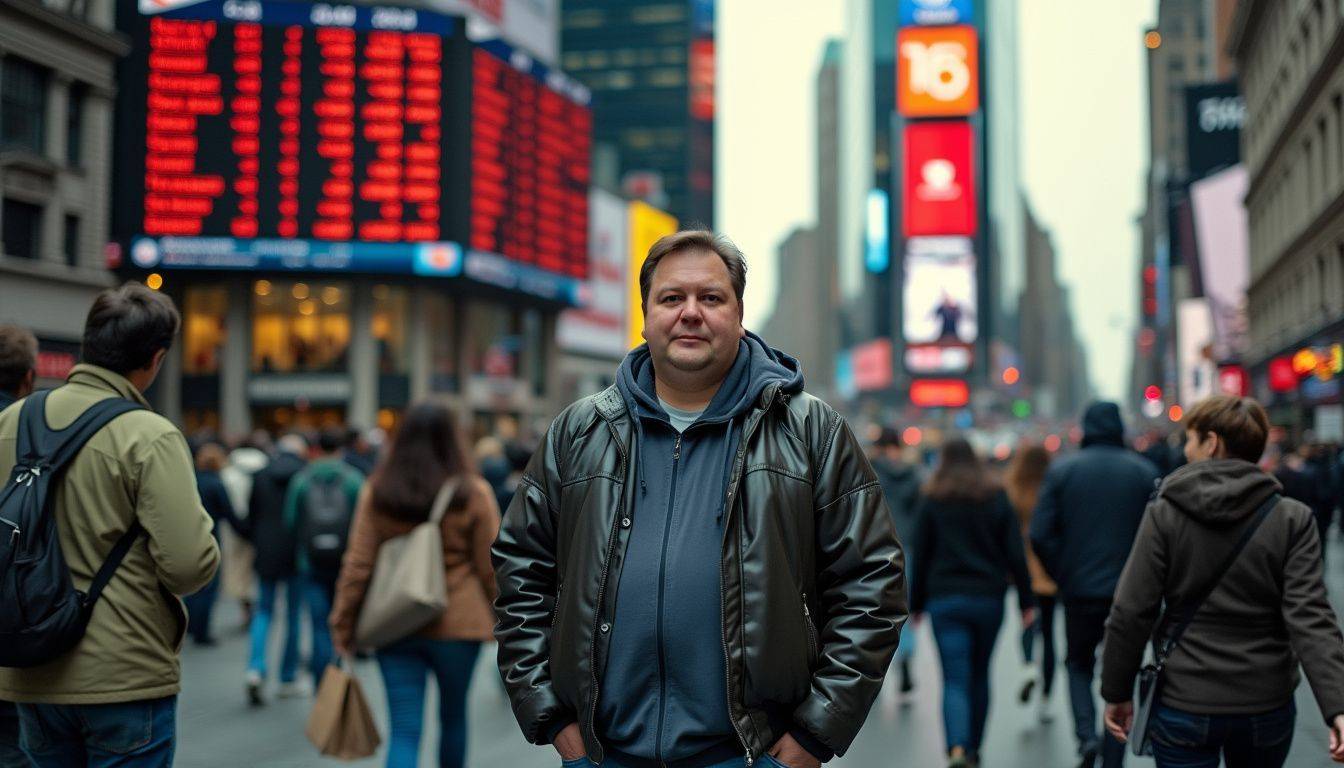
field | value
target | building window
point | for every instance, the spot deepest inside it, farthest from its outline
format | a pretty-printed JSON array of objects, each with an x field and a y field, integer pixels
[
  {"x": 70, "y": 244},
  {"x": 391, "y": 307},
  {"x": 74, "y": 126},
  {"x": 665, "y": 13},
  {"x": 204, "y": 329},
  {"x": 666, "y": 78},
  {"x": 22, "y": 229},
  {"x": 300, "y": 327},
  {"x": 586, "y": 19},
  {"x": 23, "y": 104},
  {"x": 439, "y": 317}
]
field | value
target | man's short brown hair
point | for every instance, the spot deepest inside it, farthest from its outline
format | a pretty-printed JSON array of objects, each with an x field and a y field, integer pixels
[
  {"x": 18, "y": 356},
  {"x": 694, "y": 240},
  {"x": 127, "y": 326},
  {"x": 1240, "y": 421}
]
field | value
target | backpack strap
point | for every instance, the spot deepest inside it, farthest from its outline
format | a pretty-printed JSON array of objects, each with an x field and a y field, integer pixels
[
  {"x": 110, "y": 565},
  {"x": 42, "y": 449}
]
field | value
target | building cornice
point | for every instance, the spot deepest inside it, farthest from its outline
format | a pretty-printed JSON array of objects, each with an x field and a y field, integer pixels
[{"x": 111, "y": 43}]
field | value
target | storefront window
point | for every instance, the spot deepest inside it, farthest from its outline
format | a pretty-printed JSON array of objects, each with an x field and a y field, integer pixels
[
  {"x": 493, "y": 333},
  {"x": 203, "y": 329},
  {"x": 390, "y": 311},
  {"x": 442, "y": 347},
  {"x": 300, "y": 327}
]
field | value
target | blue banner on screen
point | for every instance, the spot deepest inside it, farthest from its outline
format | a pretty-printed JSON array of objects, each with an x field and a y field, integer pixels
[
  {"x": 877, "y": 229},
  {"x": 935, "y": 12}
]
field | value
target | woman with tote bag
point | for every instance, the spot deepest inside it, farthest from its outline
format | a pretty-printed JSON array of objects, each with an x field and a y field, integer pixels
[
  {"x": 424, "y": 465},
  {"x": 1238, "y": 569}
]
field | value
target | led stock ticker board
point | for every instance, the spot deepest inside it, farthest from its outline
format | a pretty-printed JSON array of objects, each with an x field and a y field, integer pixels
[{"x": 286, "y": 135}]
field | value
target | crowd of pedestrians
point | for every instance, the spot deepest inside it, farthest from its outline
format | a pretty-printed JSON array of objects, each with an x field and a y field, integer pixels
[{"x": 699, "y": 566}]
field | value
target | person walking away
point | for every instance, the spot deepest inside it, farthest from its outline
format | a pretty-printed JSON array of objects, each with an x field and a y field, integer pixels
[
  {"x": 900, "y": 488},
  {"x": 425, "y": 453},
  {"x": 319, "y": 509},
  {"x": 1228, "y": 685},
  {"x": 698, "y": 567},
  {"x": 1084, "y": 524},
  {"x": 276, "y": 549},
  {"x": 237, "y": 578},
  {"x": 210, "y": 458},
  {"x": 18, "y": 371},
  {"x": 968, "y": 544},
  {"x": 113, "y": 697},
  {"x": 1023, "y": 481}
]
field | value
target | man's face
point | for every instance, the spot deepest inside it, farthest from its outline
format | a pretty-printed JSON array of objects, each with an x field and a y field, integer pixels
[{"x": 693, "y": 319}]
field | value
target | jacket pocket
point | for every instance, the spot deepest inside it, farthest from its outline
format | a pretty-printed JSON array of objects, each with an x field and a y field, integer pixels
[{"x": 813, "y": 642}]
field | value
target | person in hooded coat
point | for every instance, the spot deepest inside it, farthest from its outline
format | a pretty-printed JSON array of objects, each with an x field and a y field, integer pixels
[
  {"x": 1228, "y": 686},
  {"x": 901, "y": 489},
  {"x": 1084, "y": 525}
]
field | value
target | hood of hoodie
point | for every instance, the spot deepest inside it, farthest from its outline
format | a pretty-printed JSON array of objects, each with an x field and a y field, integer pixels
[
  {"x": 249, "y": 461},
  {"x": 1218, "y": 491},
  {"x": 756, "y": 367},
  {"x": 1102, "y": 425}
]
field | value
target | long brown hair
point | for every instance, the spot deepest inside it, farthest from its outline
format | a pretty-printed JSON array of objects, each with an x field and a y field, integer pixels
[
  {"x": 960, "y": 475},
  {"x": 425, "y": 452},
  {"x": 1024, "y": 477}
]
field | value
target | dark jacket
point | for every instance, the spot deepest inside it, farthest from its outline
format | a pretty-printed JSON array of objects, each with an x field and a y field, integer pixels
[
  {"x": 1240, "y": 653},
  {"x": 215, "y": 499},
  {"x": 274, "y": 541},
  {"x": 900, "y": 489},
  {"x": 664, "y": 687},
  {"x": 968, "y": 548},
  {"x": 803, "y": 516},
  {"x": 1090, "y": 507}
]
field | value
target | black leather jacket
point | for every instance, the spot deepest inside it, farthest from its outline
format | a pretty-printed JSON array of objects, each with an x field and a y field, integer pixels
[{"x": 813, "y": 576}]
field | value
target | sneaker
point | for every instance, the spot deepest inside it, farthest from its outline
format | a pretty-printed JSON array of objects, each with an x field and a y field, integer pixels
[
  {"x": 1089, "y": 758},
  {"x": 254, "y": 685},
  {"x": 1028, "y": 687},
  {"x": 960, "y": 761},
  {"x": 294, "y": 689},
  {"x": 907, "y": 679}
]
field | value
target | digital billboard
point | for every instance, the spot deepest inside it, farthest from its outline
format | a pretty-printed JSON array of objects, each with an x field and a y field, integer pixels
[
  {"x": 597, "y": 325},
  {"x": 937, "y": 71},
  {"x": 940, "y": 194},
  {"x": 646, "y": 225},
  {"x": 282, "y": 135},
  {"x": 914, "y": 12},
  {"x": 940, "y": 300}
]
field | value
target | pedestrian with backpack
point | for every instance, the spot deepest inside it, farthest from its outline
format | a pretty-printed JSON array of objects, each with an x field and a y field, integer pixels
[
  {"x": 18, "y": 369},
  {"x": 1226, "y": 579},
  {"x": 427, "y": 478},
  {"x": 319, "y": 508},
  {"x": 100, "y": 507}
]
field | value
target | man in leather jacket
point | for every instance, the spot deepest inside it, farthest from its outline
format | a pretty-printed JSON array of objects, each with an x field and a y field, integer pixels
[{"x": 698, "y": 568}]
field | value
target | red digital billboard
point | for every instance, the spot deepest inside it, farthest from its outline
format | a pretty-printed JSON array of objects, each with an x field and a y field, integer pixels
[
  {"x": 939, "y": 393},
  {"x": 940, "y": 195}
]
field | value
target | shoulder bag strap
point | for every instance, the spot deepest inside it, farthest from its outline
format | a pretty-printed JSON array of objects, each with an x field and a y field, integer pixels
[
  {"x": 1194, "y": 605},
  {"x": 442, "y": 500}
]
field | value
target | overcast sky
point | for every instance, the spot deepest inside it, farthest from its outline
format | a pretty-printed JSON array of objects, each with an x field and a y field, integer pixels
[{"x": 1084, "y": 141}]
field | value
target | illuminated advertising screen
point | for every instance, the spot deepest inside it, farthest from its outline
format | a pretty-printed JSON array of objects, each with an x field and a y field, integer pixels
[
  {"x": 940, "y": 195},
  {"x": 302, "y": 136},
  {"x": 937, "y": 71},
  {"x": 646, "y": 225},
  {"x": 935, "y": 12},
  {"x": 940, "y": 324}
]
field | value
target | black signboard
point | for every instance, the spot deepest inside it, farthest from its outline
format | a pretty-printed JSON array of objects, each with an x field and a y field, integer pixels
[{"x": 1214, "y": 113}]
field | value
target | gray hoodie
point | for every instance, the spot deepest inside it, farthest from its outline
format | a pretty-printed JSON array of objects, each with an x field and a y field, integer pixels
[
  {"x": 664, "y": 692},
  {"x": 1240, "y": 654}
]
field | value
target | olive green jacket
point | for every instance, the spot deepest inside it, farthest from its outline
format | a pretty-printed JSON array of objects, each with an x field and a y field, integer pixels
[{"x": 137, "y": 468}]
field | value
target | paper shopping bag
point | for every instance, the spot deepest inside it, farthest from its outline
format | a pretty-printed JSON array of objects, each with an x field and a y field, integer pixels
[{"x": 341, "y": 724}]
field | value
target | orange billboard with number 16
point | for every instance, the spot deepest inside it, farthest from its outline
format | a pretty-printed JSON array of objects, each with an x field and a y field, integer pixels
[{"x": 937, "y": 71}]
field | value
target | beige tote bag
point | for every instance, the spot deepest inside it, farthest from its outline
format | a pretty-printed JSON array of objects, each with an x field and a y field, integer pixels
[{"x": 407, "y": 590}]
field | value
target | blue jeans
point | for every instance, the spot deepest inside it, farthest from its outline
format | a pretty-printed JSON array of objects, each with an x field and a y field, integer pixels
[
  {"x": 319, "y": 594},
  {"x": 1084, "y": 629},
  {"x": 1183, "y": 740},
  {"x": 10, "y": 754},
  {"x": 134, "y": 734},
  {"x": 965, "y": 628},
  {"x": 764, "y": 761},
  {"x": 405, "y": 665},
  {"x": 261, "y": 628}
]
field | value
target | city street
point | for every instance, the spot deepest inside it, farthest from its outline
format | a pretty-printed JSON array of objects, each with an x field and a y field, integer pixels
[{"x": 217, "y": 728}]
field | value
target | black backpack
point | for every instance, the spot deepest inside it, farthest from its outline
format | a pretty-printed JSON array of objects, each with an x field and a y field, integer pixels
[
  {"x": 327, "y": 513},
  {"x": 42, "y": 615}
]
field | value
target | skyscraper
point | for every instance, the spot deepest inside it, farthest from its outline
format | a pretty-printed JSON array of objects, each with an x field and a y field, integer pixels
[{"x": 650, "y": 66}]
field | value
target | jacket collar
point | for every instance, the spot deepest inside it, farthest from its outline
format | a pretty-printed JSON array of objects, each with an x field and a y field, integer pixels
[
  {"x": 103, "y": 379},
  {"x": 611, "y": 406}
]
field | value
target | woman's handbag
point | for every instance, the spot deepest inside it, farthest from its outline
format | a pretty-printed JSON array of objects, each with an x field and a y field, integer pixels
[
  {"x": 407, "y": 590},
  {"x": 341, "y": 723},
  {"x": 1149, "y": 685}
]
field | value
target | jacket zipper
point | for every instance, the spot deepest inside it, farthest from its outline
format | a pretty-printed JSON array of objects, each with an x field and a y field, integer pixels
[
  {"x": 14, "y": 536},
  {"x": 559, "y": 591},
  {"x": 728, "y": 519},
  {"x": 602, "y": 588},
  {"x": 813, "y": 646},
  {"x": 662, "y": 582}
]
